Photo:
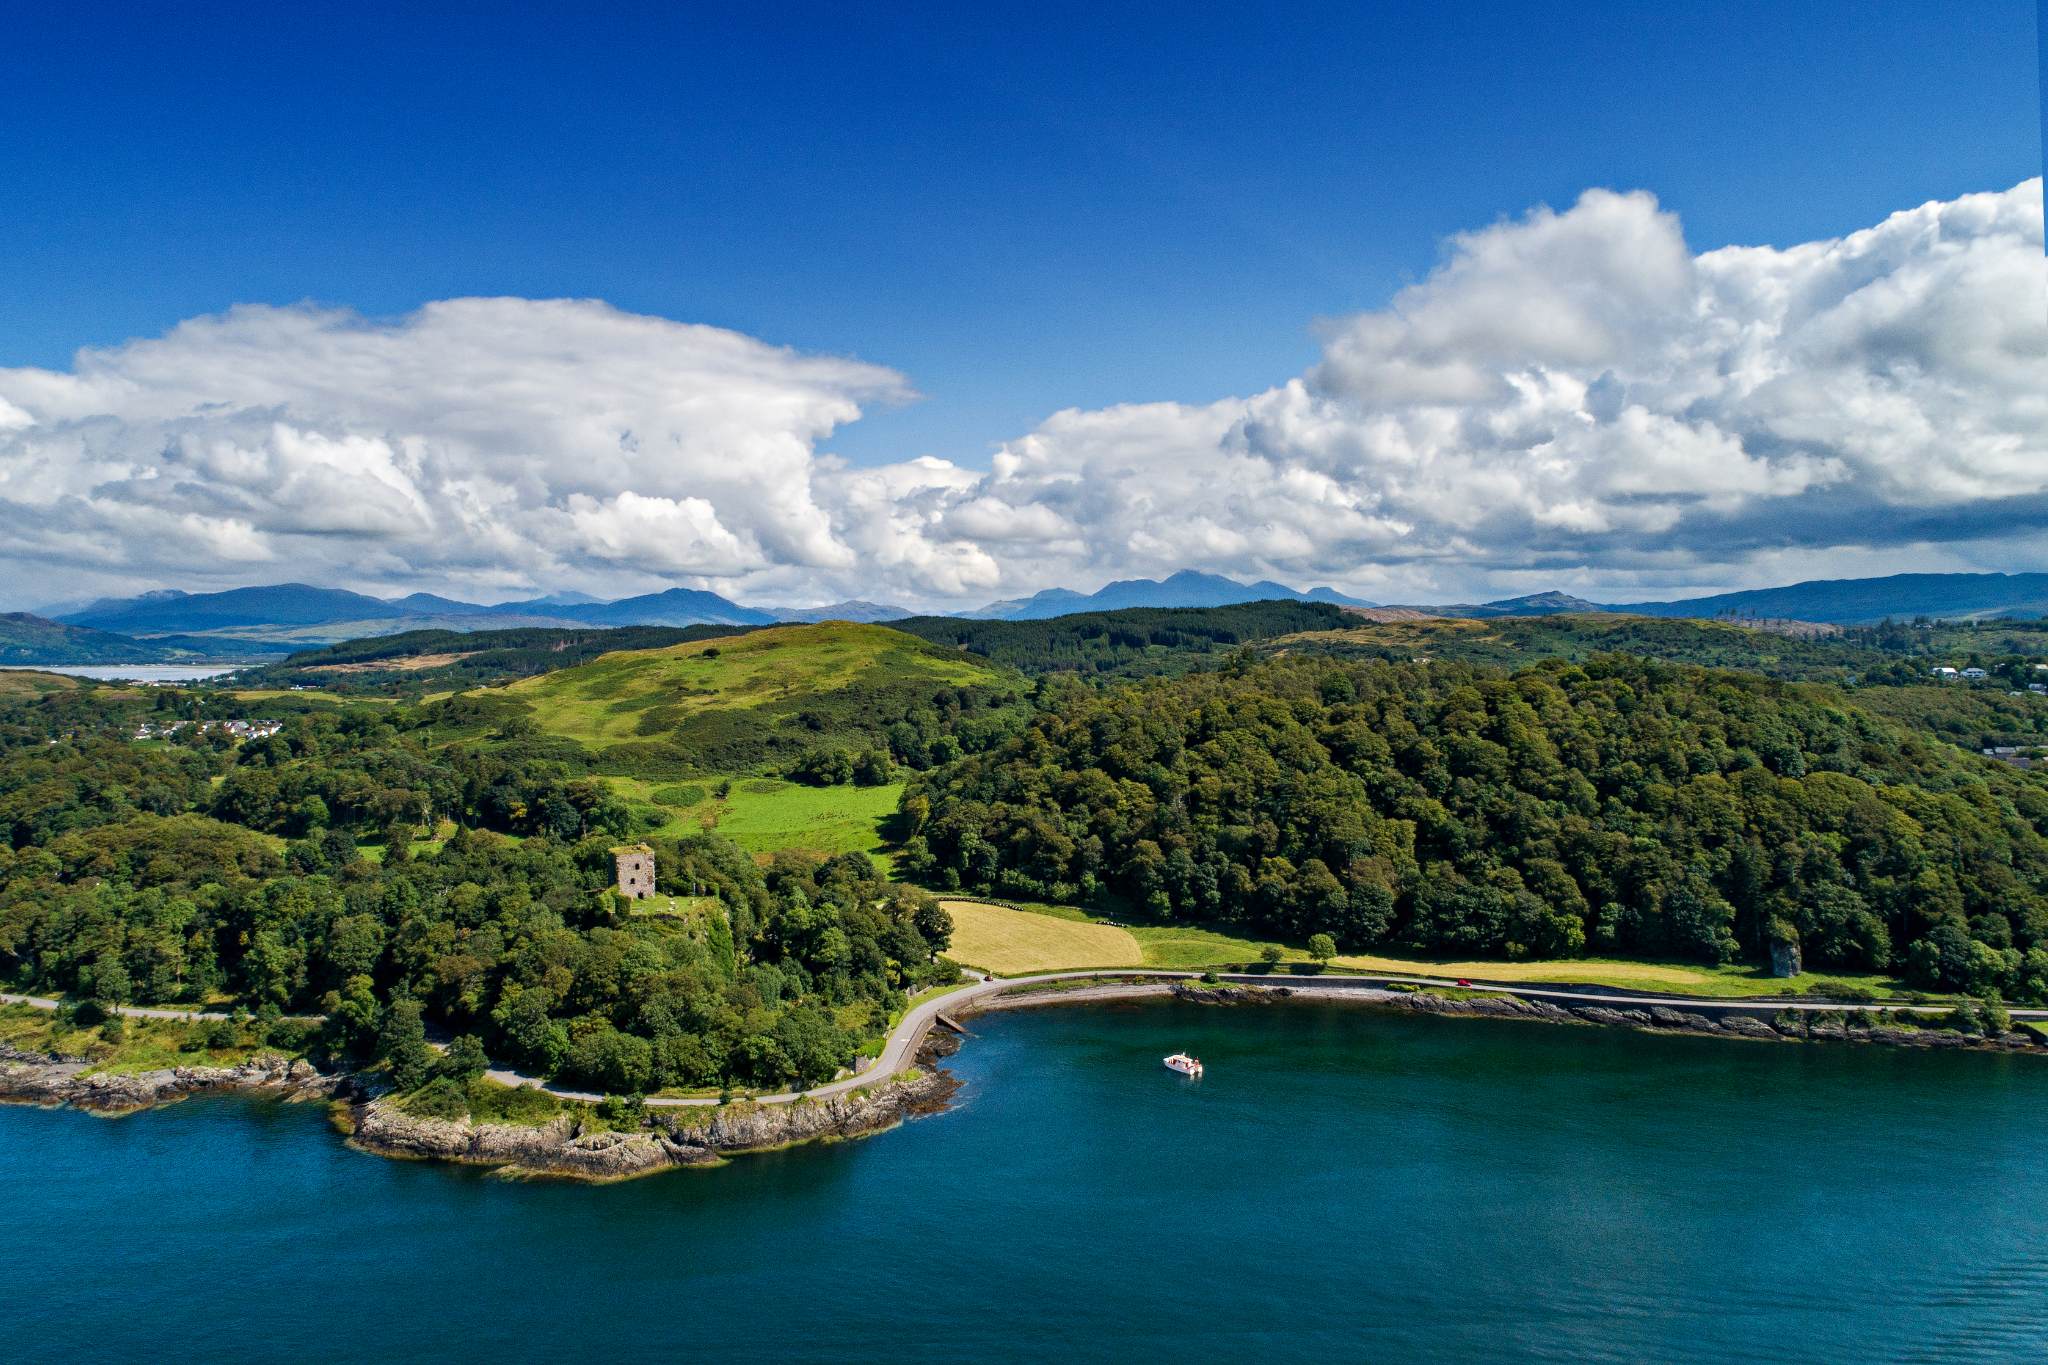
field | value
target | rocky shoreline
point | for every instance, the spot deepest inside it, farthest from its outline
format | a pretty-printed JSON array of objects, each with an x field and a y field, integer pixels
[
  {"x": 1723, "y": 1021},
  {"x": 568, "y": 1147},
  {"x": 42, "y": 1079}
]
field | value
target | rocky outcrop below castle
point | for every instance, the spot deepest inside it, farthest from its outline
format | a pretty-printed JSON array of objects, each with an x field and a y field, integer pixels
[
  {"x": 573, "y": 1145},
  {"x": 43, "y": 1078}
]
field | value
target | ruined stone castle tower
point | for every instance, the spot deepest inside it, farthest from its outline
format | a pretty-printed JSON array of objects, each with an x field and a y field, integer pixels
[{"x": 636, "y": 870}]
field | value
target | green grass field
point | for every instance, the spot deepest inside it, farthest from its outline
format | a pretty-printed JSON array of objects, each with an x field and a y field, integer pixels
[{"x": 763, "y": 814}]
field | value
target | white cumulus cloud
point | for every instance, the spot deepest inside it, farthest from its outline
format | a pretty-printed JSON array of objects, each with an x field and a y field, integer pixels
[
  {"x": 1578, "y": 394},
  {"x": 1571, "y": 398},
  {"x": 475, "y": 441}
]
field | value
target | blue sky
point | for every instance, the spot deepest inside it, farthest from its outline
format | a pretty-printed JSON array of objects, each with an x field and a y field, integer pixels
[
  {"x": 1021, "y": 210},
  {"x": 1017, "y": 211}
]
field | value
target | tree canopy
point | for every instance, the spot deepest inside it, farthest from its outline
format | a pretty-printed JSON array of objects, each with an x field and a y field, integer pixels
[{"x": 1620, "y": 806}]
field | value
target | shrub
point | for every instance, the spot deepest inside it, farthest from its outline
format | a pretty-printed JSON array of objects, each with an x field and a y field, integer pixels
[
  {"x": 490, "y": 1103},
  {"x": 1964, "y": 1018},
  {"x": 440, "y": 1098},
  {"x": 403, "y": 1040},
  {"x": 622, "y": 1111},
  {"x": 612, "y": 1061},
  {"x": 1844, "y": 991},
  {"x": 464, "y": 1061},
  {"x": 291, "y": 1035},
  {"x": 824, "y": 768}
]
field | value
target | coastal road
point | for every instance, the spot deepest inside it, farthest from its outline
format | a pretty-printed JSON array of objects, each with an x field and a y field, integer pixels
[
  {"x": 903, "y": 1040},
  {"x": 127, "y": 1011}
]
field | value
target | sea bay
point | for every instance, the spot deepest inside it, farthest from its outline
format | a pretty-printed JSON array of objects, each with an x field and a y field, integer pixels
[{"x": 1340, "y": 1183}]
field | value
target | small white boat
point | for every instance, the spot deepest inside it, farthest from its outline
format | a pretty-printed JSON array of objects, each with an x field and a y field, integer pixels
[{"x": 1184, "y": 1064}]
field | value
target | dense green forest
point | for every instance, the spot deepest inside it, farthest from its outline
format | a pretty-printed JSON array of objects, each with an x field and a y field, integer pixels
[
  {"x": 1136, "y": 642},
  {"x": 1891, "y": 654},
  {"x": 201, "y": 868},
  {"x": 1617, "y": 806}
]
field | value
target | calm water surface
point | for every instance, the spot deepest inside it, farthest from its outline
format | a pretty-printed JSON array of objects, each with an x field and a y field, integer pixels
[
  {"x": 1341, "y": 1184},
  {"x": 138, "y": 672}
]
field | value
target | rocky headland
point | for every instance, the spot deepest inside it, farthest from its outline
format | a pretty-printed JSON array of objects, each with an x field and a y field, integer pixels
[{"x": 573, "y": 1145}]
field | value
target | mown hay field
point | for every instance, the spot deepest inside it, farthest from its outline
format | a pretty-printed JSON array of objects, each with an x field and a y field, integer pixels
[{"x": 1008, "y": 942}]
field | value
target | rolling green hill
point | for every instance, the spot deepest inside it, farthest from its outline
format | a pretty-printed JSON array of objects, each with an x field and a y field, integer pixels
[
  {"x": 782, "y": 676},
  {"x": 843, "y": 708},
  {"x": 416, "y": 662},
  {"x": 26, "y": 639}
]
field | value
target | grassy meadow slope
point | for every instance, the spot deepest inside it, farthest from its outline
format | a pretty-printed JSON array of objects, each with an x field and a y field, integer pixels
[
  {"x": 22, "y": 682},
  {"x": 703, "y": 735}
]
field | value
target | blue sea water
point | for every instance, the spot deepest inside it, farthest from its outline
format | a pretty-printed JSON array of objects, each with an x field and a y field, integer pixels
[{"x": 1340, "y": 1185}]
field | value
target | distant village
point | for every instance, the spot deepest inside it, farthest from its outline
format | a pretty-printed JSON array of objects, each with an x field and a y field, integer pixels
[
  {"x": 238, "y": 729},
  {"x": 1949, "y": 673}
]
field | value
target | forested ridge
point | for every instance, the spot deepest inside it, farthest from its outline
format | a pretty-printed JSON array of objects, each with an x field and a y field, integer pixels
[
  {"x": 1134, "y": 642},
  {"x": 1619, "y": 806}
]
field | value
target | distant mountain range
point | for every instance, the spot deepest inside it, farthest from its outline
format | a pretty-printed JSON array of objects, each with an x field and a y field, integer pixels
[
  {"x": 867, "y": 613},
  {"x": 1184, "y": 589},
  {"x": 257, "y": 621},
  {"x": 302, "y": 614},
  {"x": 299, "y": 613},
  {"x": 1535, "y": 604},
  {"x": 1831, "y": 601},
  {"x": 1861, "y": 601},
  {"x": 282, "y": 604}
]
